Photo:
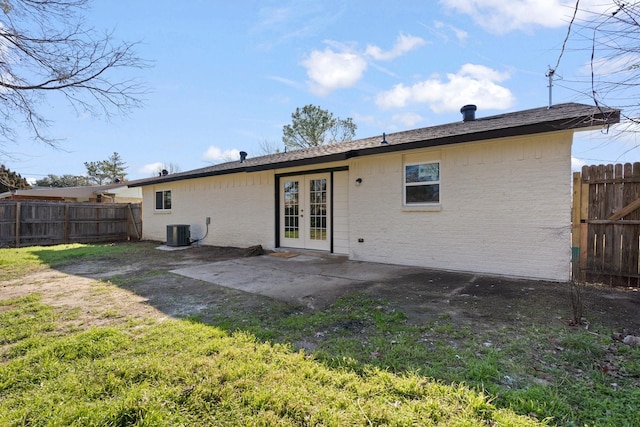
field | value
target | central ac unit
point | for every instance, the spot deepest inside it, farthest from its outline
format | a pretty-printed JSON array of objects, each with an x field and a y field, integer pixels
[{"x": 178, "y": 235}]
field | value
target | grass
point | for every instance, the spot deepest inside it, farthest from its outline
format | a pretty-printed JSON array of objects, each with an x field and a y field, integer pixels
[
  {"x": 554, "y": 374},
  {"x": 17, "y": 262},
  {"x": 179, "y": 372},
  {"x": 364, "y": 364}
]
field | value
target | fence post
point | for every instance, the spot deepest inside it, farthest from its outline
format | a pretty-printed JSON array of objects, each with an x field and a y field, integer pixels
[
  {"x": 576, "y": 227},
  {"x": 18, "y": 224},
  {"x": 66, "y": 223},
  {"x": 584, "y": 226},
  {"x": 132, "y": 218}
]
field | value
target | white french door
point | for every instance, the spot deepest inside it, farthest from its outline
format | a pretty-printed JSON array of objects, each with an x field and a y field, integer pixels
[{"x": 304, "y": 212}]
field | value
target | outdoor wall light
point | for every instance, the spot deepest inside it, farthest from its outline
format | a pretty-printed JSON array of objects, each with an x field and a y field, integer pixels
[{"x": 358, "y": 181}]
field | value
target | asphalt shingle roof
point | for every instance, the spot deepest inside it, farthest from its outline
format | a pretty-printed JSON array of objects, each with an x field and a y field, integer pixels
[{"x": 538, "y": 120}]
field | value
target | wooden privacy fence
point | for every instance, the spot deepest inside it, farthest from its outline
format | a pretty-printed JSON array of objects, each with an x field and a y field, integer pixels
[
  {"x": 606, "y": 224},
  {"x": 28, "y": 222}
]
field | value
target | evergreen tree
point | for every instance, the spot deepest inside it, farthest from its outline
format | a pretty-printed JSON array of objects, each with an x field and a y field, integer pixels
[
  {"x": 11, "y": 181},
  {"x": 312, "y": 126},
  {"x": 107, "y": 171},
  {"x": 63, "y": 181}
]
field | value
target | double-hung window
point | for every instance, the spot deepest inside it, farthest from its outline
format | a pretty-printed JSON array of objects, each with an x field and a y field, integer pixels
[
  {"x": 422, "y": 183},
  {"x": 163, "y": 200}
]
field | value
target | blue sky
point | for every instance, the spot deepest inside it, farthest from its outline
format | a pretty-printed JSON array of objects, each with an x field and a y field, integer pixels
[{"x": 226, "y": 76}]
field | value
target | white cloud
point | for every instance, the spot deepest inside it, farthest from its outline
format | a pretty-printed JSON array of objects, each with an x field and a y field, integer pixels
[
  {"x": 472, "y": 84},
  {"x": 288, "y": 21},
  {"x": 577, "y": 164},
  {"x": 342, "y": 65},
  {"x": 461, "y": 35},
  {"x": 407, "y": 119},
  {"x": 292, "y": 83},
  {"x": 216, "y": 155},
  {"x": 404, "y": 44},
  {"x": 151, "y": 169},
  {"x": 618, "y": 64},
  {"x": 503, "y": 16},
  {"x": 329, "y": 70}
]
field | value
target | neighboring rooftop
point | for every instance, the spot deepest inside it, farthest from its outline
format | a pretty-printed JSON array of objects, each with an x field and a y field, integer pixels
[
  {"x": 569, "y": 116},
  {"x": 61, "y": 193}
]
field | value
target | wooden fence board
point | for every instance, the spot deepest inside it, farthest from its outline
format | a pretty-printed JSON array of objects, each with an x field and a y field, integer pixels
[
  {"x": 28, "y": 223},
  {"x": 609, "y": 231}
]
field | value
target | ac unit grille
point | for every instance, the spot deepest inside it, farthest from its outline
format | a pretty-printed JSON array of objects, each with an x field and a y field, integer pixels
[{"x": 178, "y": 235}]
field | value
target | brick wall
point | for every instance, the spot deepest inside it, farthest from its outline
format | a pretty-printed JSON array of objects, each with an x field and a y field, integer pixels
[
  {"x": 241, "y": 208},
  {"x": 505, "y": 209}
]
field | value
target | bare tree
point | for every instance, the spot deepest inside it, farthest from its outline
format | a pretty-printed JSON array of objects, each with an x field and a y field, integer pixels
[
  {"x": 45, "y": 48},
  {"x": 268, "y": 147},
  {"x": 609, "y": 40},
  {"x": 167, "y": 169}
]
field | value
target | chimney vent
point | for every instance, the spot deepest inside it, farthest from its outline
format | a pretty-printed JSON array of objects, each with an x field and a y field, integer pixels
[
  {"x": 468, "y": 113},
  {"x": 243, "y": 156}
]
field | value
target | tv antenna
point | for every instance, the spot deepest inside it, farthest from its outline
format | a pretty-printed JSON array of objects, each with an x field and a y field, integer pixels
[{"x": 550, "y": 74}]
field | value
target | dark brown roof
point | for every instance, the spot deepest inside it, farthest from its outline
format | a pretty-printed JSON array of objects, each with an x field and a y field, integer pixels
[{"x": 538, "y": 120}]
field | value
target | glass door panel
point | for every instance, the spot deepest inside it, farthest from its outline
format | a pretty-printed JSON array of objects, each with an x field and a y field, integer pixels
[
  {"x": 291, "y": 210},
  {"x": 304, "y": 212},
  {"x": 318, "y": 209}
]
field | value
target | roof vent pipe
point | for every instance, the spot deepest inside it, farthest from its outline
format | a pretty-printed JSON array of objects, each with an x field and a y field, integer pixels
[
  {"x": 243, "y": 156},
  {"x": 468, "y": 112}
]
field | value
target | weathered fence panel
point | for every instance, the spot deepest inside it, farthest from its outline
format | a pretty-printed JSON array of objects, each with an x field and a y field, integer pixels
[
  {"x": 606, "y": 224},
  {"x": 28, "y": 223}
]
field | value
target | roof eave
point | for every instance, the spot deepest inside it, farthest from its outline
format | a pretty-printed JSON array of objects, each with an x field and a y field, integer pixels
[{"x": 580, "y": 123}]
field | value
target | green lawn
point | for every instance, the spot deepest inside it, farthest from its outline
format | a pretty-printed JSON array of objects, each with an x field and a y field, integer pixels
[
  {"x": 369, "y": 366},
  {"x": 179, "y": 372}
]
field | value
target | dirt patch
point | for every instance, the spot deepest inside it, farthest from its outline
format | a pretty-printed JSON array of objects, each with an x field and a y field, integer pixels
[{"x": 106, "y": 290}]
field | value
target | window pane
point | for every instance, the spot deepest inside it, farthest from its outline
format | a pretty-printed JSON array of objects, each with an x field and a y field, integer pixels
[
  {"x": 291, "y": 207},
  {"x": 411, "y": 173},
  {"x": 167, "y": 199},
  {"x": 423, "y": 193},
  {"x": 158, "y": 199},
  {"x": 426, "y": 172},
  {"x": 318, "y": 209},
  {"x": 429, "y": 172}
]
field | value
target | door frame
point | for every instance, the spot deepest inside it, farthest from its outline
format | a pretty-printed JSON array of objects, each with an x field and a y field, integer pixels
[{"x": 330, "y": 171}]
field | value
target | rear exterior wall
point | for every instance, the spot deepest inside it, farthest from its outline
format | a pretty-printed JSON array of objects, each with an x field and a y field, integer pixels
[
  {"x": 504, "y": 209},
  {"x": 241, "y": 207}
]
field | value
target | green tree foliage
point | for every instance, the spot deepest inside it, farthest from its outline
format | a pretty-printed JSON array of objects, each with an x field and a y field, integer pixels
[
  {"x": 63, "y": 181},
  {"x": 312, "y": 126},
  {"x": 11, "y": 181},
  {"x": 107, "y": 171}
]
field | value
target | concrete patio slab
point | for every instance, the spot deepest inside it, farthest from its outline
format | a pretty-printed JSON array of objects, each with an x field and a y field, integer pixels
[{"x": 310, "y": 280}]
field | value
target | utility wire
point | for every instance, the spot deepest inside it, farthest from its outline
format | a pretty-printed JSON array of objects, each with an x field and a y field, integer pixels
[{"x": 566, "y": 38}]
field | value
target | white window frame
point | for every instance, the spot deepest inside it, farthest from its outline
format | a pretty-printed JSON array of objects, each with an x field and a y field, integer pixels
[
  {"x": 155, "y": 201},
  {"x": 406, "y": 184}
]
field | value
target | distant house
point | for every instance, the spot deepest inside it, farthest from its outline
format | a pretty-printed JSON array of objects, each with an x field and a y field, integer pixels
[
  {"x": 112, "y": 193},
  {"x": 489, "y": 195}
]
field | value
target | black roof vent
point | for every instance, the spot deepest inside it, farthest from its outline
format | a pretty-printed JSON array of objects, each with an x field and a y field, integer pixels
[
  {"x": 243, "y": 156},
  {"x": 468, "y": 113}
]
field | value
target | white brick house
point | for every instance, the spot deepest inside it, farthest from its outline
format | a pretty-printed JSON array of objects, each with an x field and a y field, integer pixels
[{"x": 489, "y": 195}]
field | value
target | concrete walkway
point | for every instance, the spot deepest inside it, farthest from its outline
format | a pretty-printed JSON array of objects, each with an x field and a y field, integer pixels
[{"x": 310, "y": 280}]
